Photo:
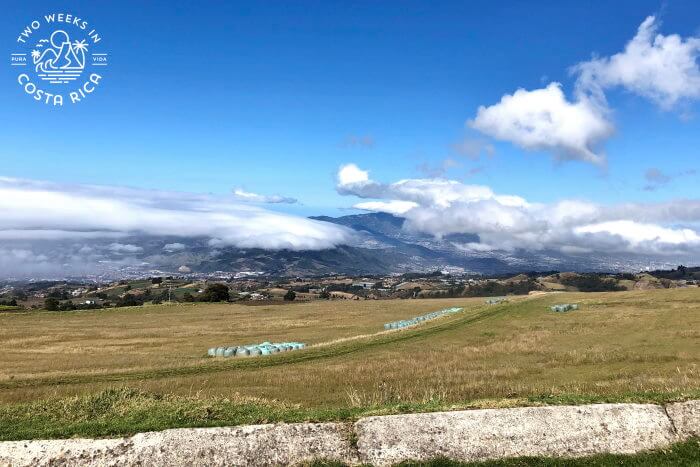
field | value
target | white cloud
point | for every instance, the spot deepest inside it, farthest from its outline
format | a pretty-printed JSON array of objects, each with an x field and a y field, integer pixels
[
  {"x": 478, "y": 247},
  {"x": 53, "y": 234},
  {"x": 661, "y": 68},
  {"x": 636, "y": 233},
  {"x": 391, "y": 207},
  {"x": 543, "y": 119},
  {"x": 635, "y": 236},
  {"x": 350, "y": 174},
  {"x": 173, "y": 247},
  {"x": 247, "y": 196},
  {"x": 121, "y": 248},
  {"x": 438, "y": 192},
  {"x": 79, "y": 211},
  {"x": 508, "y": 222}
]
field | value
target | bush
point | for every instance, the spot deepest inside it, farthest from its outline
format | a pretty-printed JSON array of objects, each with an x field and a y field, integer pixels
[
  {"x": 592, "y": 283},
  {"x": 215, "y": 293},
  {"x": 129, "y": 300},
  {"x": 290, "y": 296},
  {"x": 66, "y": 306},
  {"x": 51, "y": 304},
  {"x": 493, "y": 288},
  {"x": 58, "y": 294}
]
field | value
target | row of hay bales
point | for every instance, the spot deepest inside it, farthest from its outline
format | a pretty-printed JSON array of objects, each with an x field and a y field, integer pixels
[
  {"x": 563, "y": 307},
  {"x": 496, "y": 300},
  {"x": 253, "y": 350},
  {"x": 419, "y": 319}
]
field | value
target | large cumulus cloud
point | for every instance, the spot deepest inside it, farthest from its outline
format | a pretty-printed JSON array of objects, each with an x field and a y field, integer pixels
[
  {"x": 543, "y": 119},
  {"x": 662, "y": 69}
]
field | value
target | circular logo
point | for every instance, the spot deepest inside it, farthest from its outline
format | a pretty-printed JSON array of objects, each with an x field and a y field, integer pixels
[{"x": 59, "y": 59}]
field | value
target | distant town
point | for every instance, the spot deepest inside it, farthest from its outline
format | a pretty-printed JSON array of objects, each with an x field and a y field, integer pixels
[{"x": 257, "y": 288}]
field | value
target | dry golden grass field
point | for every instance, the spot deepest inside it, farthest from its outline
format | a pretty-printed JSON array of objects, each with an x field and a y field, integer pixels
[{"x": 615, "y": 344}]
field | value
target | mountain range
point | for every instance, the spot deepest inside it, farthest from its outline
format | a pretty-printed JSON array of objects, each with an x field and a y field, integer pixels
[{"x": 381, "y": 245}]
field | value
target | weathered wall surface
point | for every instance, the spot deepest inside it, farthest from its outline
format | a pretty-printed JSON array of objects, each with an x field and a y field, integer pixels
[
  {"x": 255, "y": 445},
  {"x": 686, "y": 418},
  {"x": 534, "y": 431},
  {"x": 466, "y": 435}
]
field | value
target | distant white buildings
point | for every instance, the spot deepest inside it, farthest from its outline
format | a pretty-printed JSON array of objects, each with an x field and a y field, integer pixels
[
  {"x": 251, "y": 296},
  {"x": 246, "y": 274},
  {"x": 364, "y": 284},
  {"x": 78, "y": 292}
]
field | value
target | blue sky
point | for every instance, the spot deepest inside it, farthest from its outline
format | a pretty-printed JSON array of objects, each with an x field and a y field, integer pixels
[
  {"x": 536, "y": 125},
  {"x": 266, "y": 96}
]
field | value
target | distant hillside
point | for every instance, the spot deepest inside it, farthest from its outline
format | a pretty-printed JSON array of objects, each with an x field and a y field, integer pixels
[{"x": 381, "y": 245}]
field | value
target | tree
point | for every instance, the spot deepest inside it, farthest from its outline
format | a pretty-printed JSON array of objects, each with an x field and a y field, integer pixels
[
  {"x": 324, "y": 295},
  {"x": 216, "y": 293},
  {"x": 156, "y": 280},
  {"x": 129, "y": 300},
  {"x": 592, "y": 283},
  {"x": 20, "y": 295},
  {"x": 58, "y": 294},
  {"x": 51, "y": 304},
  {"x": 290, "y": 295},
  {"x": 66, "y": 306}
]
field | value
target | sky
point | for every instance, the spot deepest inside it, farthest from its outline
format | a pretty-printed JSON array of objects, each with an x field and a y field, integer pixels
[{"x": 331, "y": 108}]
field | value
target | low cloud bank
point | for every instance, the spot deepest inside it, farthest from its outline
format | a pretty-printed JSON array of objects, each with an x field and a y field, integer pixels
[
  {"x": 507, "y": 222},
  {"x": 246, "y": 196},
  {"x": 47, "y": 211}
]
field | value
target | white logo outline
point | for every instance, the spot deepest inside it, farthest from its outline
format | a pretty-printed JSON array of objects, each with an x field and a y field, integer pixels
[{"x": 57, "y": 59}]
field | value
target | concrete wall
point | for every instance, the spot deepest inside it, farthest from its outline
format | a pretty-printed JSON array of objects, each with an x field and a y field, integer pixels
[{"x": 466, "y": 435}]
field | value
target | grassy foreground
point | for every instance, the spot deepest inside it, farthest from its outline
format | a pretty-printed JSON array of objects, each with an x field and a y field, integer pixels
[
  {"x": 126, "y": 411},
  {"x": 117, "y": 372}
]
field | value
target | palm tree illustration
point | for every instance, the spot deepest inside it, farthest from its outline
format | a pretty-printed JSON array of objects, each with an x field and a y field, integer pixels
[{"x": 80, "y": 46}]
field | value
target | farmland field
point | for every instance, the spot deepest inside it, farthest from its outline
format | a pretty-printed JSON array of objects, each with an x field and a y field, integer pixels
[{"x": 619, "y": 346}]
